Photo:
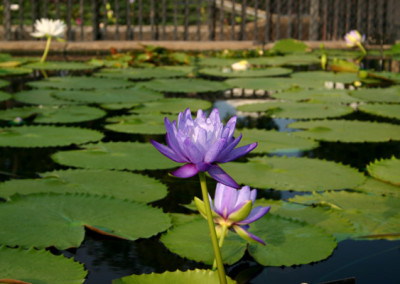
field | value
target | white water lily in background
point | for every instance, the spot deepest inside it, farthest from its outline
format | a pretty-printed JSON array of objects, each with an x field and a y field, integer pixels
[
  {"x": 354, "y": 38},
  {"x": 48, "y": 28},
  {"x": 240, "y": 66}
]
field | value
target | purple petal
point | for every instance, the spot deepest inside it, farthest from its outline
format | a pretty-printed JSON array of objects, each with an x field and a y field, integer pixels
[
  {"x": 226, "y": 197},
  {"x": 185, "y": 171},
  {"x": 194, "y": 154},
  {"x": 247, "y": 235},
  {"x": 214, "y": 115},
  {"x": 231, "y": 125},
  {"x": 221, "y": 176},
  {"x": 214, "y": 150},
  {"x": 167, "y": 152},
  {"x": 229, "y": 148},
  {"x": 243, "y": 197},
  {"x": 238, "y": 152},
  {"x": 255, "y": 214}
]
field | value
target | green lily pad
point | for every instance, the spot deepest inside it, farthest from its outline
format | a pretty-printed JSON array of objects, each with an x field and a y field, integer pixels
[
  {"x": 290, "y": 46},
  {"x": 46, "y": 136},
  {"x": 122, "y": 185},
  {"x": 347, "y": 131},
  {"x": 15, "y": 71},
  {"x": 43, "y": 97},
  {"x": 386, "y": 170},
  {"x": 381, "y": 95},
  {"x": 55, "y": 114},
  {"x": 287, "y": 60},
  {"x": 140, "y": 73},
  {"x": 4, "y": 96},
  {"x": 299, "y": 174},
  {"x": 173, "y": 105},
  {"x": 385, "y": 110},
  {"x": 215, "y": 61},
  {"x": 274, "y": 84},
  {"x": 80, "y": 83},
  {"x": 274, "y": 141},
  {"x": 4, "y": 83},
  {"x": 376, "y": 187},
  {"x": 185, "y": 85},
  {"x": 115, "y": 155},
  {"x": 289, "y": 242},
  {"x": 119, "y": 106},
  {"x": 196, "y": 276},
  {"x": 296, "y": 110},
  {"x": 228, "y": 73},
  {"x": 59, "y": 65},
  {"x": 323, "y": 76},
  {"x": 323, "y": 96},
  {"x": 39, "y": 266}
]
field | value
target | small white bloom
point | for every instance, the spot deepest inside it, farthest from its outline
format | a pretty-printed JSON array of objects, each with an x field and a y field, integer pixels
[
  {"x": 48, "y": 28},
  {"x": 240, "y": 66},
  {"x": 14, "y": 7},
  {"x": 353, "y": 38}
]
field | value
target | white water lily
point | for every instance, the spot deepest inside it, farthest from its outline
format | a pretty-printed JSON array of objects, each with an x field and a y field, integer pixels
[
  {"x": 48, "y": 28},
  {"x": 240, "y": 66}
]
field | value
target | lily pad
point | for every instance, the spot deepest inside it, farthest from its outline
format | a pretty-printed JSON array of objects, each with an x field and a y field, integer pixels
[
  {"x": 4, "y": 96},
  {"x": 185, "y": 85},
  {"x": 196, "y": 276},
  {"x": 122, "y": 185},
  {"x": 55, "y": 114},
  {"x": 4, "y": 83},
  {"x": 296, "y": 110},
  {"x": 381, "y": 95},
  {"x": 274, "y": 141},
  {"x": 386, "y": 170},
  {"x": 140, "y": 73},
  {"x": 228, "y": 73},
  {"x": 216, "y": 61},
  {"x": 80, "y": 83},
  {"x": 287, "y": 60},
  {"x": 274, "y": 84},
  {"x": 39, "y": 266},
  {"x": 173, "y": 105},
  {"x": 115, "y": 155},
  {"x": 299, "y": 174},
  {"x": 46, "y": 136},
  {"x": 59, "y": 65},
  {"x": 323, "y": 76},
  {"x": 347, "y": 131},
  {"x": 323, "y": 96},
  {"x": 385, "y": 110},
  {"x": 290, "y": 46},
  {"x": 43, "y": 97},
  {"x": 16, "y": 71},
  {"x": 376, "y": 187}
]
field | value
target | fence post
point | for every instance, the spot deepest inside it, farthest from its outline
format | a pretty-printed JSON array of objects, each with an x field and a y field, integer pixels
[
  {"x": 211, "y": 19},
  {"x": 7, "y": 19},
  {"x": 95, "y": 19},
  {"x": 314, "y": 20}
]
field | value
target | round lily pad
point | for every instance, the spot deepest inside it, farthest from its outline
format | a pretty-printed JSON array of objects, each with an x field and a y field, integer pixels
[
  {"x": 43, "y": 97},
  {"x": 115, "y": 155},
  {"x": 196, "y": 276},
  {"x": 122, "y": 185},
  {"x": 289, "y": 46},
  {"x": 228, "y": 73},
  {"x": 54, "y": 114},
  {"x": 4, "y": 83},
  {"x": 381, "y": 95},
  {"x": 324, "y": 96},
  {"x": 377, "y": 187},
  {"x": 39, "y": 266},
  {"x": 59, "y": 65},
  {"x": 173, "y": 105},
  {"x": 15, "y": 71},
  {"x": 274, "y": 141},
  {"x": 80, "y": 83},
  {"x": 185, "y": 85},
  {"x": 323, "y": 76},
  {"x": 216, "y": 61},
  {"x": 385, "y": 110},
  {"x": 387, "y": 170},
  {"x": 299, "y": 174},
  {"x": 140, "y": 73},
  {"x": 296, "y": 110},
  {"x": 46, "y": 136},
  {"x": 43, "y": 220},
  {"x": 287, "y": 60},
  {"x": 347, "y": 131},
  {"x": 4, "y": 96}
]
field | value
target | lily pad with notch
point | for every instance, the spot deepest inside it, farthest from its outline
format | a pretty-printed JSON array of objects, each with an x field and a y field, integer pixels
[
  {"x": 59, "y": 65},
  {"x": 385, "y": 110},
  {"x": 141, "y": 73},
  {"x": 43, "y": 97},
  {"x": 172, "y": 105},
  {"x": 380, "y": 95},
  {"x": 250, "y": 73},
  {"x": 185, "y": 85},
  {"x": 386, "y": 170}
]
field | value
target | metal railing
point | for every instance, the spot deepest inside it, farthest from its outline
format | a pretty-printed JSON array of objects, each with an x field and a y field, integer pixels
[{"x": 196, "y": 20}]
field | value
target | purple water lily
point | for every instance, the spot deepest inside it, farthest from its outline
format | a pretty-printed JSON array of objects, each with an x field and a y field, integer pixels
[
  {"x": 201, "y": 144},
  {"x": 233, "y": 209}
]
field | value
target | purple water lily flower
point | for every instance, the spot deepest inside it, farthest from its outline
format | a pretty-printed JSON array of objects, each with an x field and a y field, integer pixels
[
  {"x": 201, "y": 144},
  {"x": 354, "y": 38},
  {"x": 233, "y": 208}
]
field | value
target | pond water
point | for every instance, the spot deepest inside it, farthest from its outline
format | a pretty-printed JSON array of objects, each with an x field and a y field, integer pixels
[{"x": 107, "y": 258}]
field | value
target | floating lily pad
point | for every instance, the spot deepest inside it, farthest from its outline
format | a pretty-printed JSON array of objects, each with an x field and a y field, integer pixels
[
  {"x": 385, "y": 110},
  {"x": 376, "y": 187},
  {"x": 122, "y": 185},
  {"x": 43, "y": 220},
  {"x": 296, "y": 110},
  {"x": 119, "y": 106},
  {"x": 185, "y": 85},
  {"x": 287, "y": 60},
  {"x": 59, "y": 65},
  {"x": 4, "y": 83},
  {"x": 39, "y": 266},
  {"x": 323, "y": 76},
  {"x": 215, "y": 61},
  {"x": 42, "y": 97},
  {"x": 80, "y": 83},
  {"x": 347, "y": 131},
  {"x": 173, "y": 105},
  {"x": 115, "y": 155},
  {"x": 290, "y": 46},
  {"x": 4, "y": 96},
  {"x": 324, "y": 96},
  {"x": 381, "y": 95},
  {"x": 273, "y": 141},
  {"x": 299, "y": 174},
  {"x": 274, "y": 84},
  {"x": 46, "y": 136},
  {"x": 141, "y": 73},
  {"x": 64, "y": 114},
  {"x": 387, "y": 170},
  {"x": 228, "y": 73},
  {"x": 14, "y": 71},
  {"x": 196, "y": 276}
]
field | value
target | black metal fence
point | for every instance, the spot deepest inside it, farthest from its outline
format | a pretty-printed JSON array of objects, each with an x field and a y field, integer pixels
[{"x": 196, "y": 20}]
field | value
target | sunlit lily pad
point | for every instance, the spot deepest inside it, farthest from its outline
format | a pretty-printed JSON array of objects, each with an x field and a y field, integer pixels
[
  {"x": 385, "y": 110},
  {"x": 289, "y": 46},
  {"x": 287, "y": 60},
  {"x": 274, "y": 84},
  {"x": 115, "y": 155},
  {"x": 185, "y": 85},
  {"x": 46, "y": 136},
  {"x": 323, "y": 76},
  {"x": 64, "y": 114},
  {"x": 122, "y": 185},
  {"x": 44, "y": 220},
  {"x": 196, "y": 276},
  {"x": 299, "y": 174},
  {"x": 381, "y": 95},
  {"x": 374, "y": 186},
  {"x": 324, "y": 96},
  {"x": 173, "y": 105},
  {"x": 43, "y": 97},
  {"x": 80, "y": 83},
  {"x": 387, "y": 170},
  {"x": 140, "y": 73},
  {"x": 228, "y": 73},
  {"x": 296, "y": 110},
  {"x": 59, "y": 65},
  {"x": 4, "y": 96},
  {"x": 4, "y": 83},
  {"x": 273, "y": 141},
  {"x": 347, "y": 131},
  {"x": 14, "y": 71},
  {"x": 39, "y": 266},
  {"x": 215, "y": 61}
]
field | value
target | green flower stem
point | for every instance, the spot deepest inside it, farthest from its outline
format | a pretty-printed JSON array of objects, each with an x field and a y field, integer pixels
[
  {"x": 214, "y": 239},
  {"x": 361, "y": 47},
  {"x": 46, "y": 50},
  {"x": 221, "y": 242}
]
